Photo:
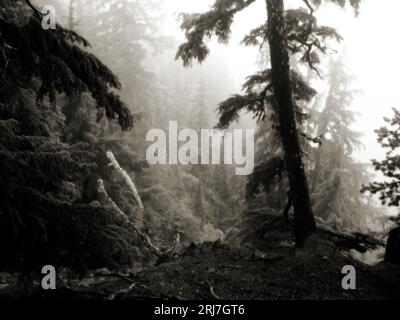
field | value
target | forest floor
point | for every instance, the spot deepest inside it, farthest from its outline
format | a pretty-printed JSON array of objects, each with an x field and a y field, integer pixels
[{"x": 218, "y": 271}]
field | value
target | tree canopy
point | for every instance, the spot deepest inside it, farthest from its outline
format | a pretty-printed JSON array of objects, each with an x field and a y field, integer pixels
[
  {"x": 389, "y": 138},
  {"x": 54, "y": 61}
]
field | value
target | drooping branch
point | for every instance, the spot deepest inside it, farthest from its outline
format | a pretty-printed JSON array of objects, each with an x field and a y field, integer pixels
[
  {"x": 229, "y": 109},
  {"x": 201, "y": 27},
  {"x": 70, "y": 67},
  {"x": 257, "y": 37},
  {"x": 258, "y": 96}
]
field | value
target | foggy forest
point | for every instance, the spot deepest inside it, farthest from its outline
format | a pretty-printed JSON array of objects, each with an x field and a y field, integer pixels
[{"x": 199, "y": 150}]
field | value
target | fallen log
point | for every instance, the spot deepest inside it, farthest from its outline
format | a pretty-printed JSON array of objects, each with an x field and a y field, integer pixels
[
  {"x": 107, "y": 199},
  {"x": 146, "y": 240},
  {"x": 114, "y": 163},
  {"x": 392, "y": 254},
  {"x": 358, "y": 241}
]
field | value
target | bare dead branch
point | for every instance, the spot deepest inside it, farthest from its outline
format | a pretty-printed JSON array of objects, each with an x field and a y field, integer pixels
[
  {"x": 212, "y": 291},
  {"x": 128, "y": 180}
]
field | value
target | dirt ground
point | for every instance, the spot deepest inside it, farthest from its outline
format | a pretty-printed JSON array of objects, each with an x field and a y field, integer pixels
[{"x": 218, "y": 271}]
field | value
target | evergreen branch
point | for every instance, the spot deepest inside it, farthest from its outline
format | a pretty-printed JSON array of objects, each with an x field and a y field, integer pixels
[
  {"x": 201, "y": 27},
  {"x": 230, "y": 108},
  {"x": 56, "y": 59},
  {"x": 265, "y": 174},
  {"x": 310, "y": 62}
]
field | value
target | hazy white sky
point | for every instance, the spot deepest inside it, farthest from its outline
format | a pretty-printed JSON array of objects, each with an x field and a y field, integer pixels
[{"x": 372, "y": 45}]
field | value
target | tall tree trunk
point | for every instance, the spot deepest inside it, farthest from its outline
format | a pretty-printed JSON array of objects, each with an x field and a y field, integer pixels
[
  {"x": 71, "y": 15},
  {"x": 317, "y": 170},
  {"x": 304, "y": 218},
  {"x": 321, "y": 132}
]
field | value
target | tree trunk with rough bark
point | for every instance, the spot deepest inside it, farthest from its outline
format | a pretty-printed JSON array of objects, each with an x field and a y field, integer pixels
[{"x": 304, "y": 218}]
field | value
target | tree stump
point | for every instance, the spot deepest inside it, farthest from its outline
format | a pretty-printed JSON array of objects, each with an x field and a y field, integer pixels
[{"x": 393, "y": 247}]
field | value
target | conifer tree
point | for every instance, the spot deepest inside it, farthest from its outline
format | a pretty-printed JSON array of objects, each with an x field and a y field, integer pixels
[
  {"x": 56, "y": 59},
  {"x": 122, "y": 33},
  {"x": 337, "y": 177},
  {"x": 292, "y": 31},
  {"x": 389, "y": 138},
  {"x": 51, "y": 211},
  {"x": 44, "y": 215}
]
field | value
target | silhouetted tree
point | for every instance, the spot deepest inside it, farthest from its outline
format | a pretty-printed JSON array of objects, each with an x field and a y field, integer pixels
[
  {"x": 51, "y": 210},
  {"x": 389, "y": 138},
  {"x": 295, "y": 31},
  {"x": 337, "y": 177}
]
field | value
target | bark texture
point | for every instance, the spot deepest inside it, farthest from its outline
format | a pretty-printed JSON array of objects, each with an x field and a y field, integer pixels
[{"x": 304, "y": 218}]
